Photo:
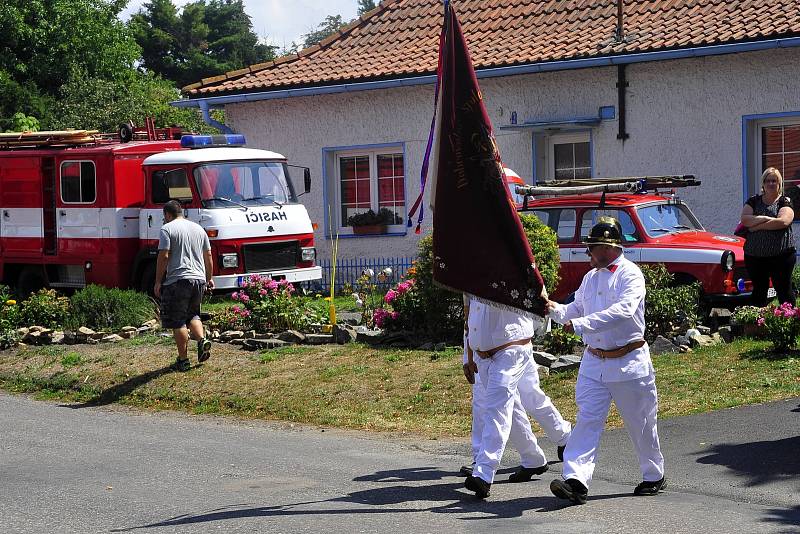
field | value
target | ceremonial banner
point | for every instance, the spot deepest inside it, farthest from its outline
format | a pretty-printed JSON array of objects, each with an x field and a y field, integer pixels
[{"x": 479, "y": 245}]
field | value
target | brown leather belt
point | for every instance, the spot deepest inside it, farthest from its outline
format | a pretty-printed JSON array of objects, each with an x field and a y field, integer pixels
[
  {"x": 618, "y": 352},
  {"x": 491, "y": 352}
]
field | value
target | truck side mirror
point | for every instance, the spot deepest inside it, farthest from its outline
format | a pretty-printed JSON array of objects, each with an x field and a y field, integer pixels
[{"x": 307, "y": 179}]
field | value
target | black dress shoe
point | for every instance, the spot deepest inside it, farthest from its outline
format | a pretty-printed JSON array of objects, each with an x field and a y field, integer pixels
[
  {"x": 524, "y": 474},
  {"x": 650, "y": 488},
  {"x": 560, "y": 451},
  {"x": 466, "y": 470},
  {"x": 478, "y": 485},
  {"x": 570, "y": 489}
]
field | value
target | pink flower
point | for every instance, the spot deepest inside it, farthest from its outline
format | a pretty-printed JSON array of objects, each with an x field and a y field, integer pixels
[
  {"x": 235, "y": 296},
  {"x": 272, "y": 284},
  {"x": 403, "y": 287},
  {"x": 390, "y": 296},
  {"x": 245, "y": 298},
  {"x": 379, "y": 317},
  {"x": 262, "y": 292},
  {"x": 395, "y": 315},
  {"x": 760, "y": 321},
  {"x": 236, "y": 309},
  {"x": 255, "y": 278}
]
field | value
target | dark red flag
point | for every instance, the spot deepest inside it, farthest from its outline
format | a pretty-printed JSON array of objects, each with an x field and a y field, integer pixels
[{"x": 479, "y": 244}]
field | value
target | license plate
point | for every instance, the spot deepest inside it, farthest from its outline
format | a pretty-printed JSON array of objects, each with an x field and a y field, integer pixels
[{"x": 771, "y": 293}]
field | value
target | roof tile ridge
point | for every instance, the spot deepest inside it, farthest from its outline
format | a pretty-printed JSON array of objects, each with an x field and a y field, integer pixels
[{"x": 252, "y": 69}]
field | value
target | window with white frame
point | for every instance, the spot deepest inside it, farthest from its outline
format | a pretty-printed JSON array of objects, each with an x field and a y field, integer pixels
[
  {"x": 370, "y": 189},
  {"x": 569, "y": 156},
  {"x": 777, "y": 144}
]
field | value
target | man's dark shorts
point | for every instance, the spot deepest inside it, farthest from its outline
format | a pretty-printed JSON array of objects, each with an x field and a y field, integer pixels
[{"x": 180, "y": 302}]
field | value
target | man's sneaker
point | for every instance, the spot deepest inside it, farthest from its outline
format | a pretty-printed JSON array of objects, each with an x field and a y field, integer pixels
[
  {"x": 560, "y": 452},
  {"x": 203, "y": 350},
  {"x": 466, "y": 470},
  {"x": 478, "y": 485},
  {"x": 524, "y": 474},
  {"x": 570, "y": 489},
  {"x": 181, "y": 365},
  {"x": 650, "y": 488}
]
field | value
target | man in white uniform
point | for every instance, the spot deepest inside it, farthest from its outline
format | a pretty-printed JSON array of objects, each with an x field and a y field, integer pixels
[
  {"x": 502, "y": 339},
  {"x": 534, "y": 402},
  {"x": 608, "y": 313}
]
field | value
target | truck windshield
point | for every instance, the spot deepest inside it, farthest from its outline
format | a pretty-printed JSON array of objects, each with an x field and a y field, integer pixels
[
  {"x": 661, "y": 219},
  {"x": 244, "y": 183}
]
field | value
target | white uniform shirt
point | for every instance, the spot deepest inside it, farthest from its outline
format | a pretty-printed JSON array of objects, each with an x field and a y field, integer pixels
[
  {"x": 608, "y": 312},
  {"x": 492, "y": 326}
]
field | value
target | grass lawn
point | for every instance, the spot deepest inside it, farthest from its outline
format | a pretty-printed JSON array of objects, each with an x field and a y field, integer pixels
[{"x": 355, "y": 386}]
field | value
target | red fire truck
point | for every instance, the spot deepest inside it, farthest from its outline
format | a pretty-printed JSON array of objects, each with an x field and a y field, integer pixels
[{"x": 79, "y": 209}]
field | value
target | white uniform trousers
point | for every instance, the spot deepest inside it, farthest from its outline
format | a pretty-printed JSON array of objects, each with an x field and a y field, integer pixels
[
  {"x": 637, "y": 403},
  {"x": 540, "y": 407},
  {"x": 500, "y": 377},
  {"x": 521, "y": 436},
  {"x": 530, "y": 400}
]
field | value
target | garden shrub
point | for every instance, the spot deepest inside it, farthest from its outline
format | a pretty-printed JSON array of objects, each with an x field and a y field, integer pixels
[
  {"x": 417, "y": 304},
  {"x": 544, "y": 244},
  {"x": 668, "y": 306},
  {"x": 103, "y": 308},
  {"x": 267, "y": 304},
  {"x": 433, "y": 312},
  {"x": 44, "y": 308},
  {"x": 558, "y": 341},
  {"x": 229, "y": 318},
  {"x": 9, "y": 318},
  {"x": 782, "y": 324}
]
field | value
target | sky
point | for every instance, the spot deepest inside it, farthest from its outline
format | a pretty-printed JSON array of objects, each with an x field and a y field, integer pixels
[{"x": 279, "y": 22}]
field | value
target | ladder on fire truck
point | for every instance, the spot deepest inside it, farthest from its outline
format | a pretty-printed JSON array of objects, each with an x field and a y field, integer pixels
[
  {"x": 627, "y": 184},
  {"x": 48, "y": 138},
  {"x": 70, "y": 138}
]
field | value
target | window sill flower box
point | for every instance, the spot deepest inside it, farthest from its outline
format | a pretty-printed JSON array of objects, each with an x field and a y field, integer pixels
[{"x": 369, "y": 229}]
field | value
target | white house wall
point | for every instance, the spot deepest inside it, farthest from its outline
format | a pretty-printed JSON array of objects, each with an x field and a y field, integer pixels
[{"x": 683, "y": 116}]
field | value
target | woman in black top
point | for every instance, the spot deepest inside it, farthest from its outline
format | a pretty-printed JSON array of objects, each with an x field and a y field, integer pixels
[{"x": 769, "y": 250}]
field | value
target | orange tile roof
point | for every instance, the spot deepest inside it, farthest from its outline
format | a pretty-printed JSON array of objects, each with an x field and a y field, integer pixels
[{"x": 400, "y": 37}]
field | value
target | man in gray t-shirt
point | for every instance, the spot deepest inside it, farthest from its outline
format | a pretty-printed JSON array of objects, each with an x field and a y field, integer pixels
[{"x": 183, "y": 273}]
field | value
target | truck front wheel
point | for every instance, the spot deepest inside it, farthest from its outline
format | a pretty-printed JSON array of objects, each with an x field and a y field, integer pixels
[
  {"x": 31, "y": 279},
  {"x": 148, "y": 279}
]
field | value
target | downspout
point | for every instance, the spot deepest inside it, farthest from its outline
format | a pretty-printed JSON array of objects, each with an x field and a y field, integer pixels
[
  {"x": 622, "y": 84},
  {"x": 210, "y": 120},
  {"x": 622, "y": 80}
]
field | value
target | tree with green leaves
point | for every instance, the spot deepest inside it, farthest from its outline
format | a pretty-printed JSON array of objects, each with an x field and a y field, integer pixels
[
  {"x": 326, "y": 28},
  {"x": 45, "y": 41},
  {"x": 365, "y": 6},
  {"x": 100, "y": 104},
  {"x": 204, "y": 39}
]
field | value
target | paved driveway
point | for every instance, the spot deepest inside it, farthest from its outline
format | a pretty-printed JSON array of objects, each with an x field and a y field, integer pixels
[{"x": 83, "y": 470}]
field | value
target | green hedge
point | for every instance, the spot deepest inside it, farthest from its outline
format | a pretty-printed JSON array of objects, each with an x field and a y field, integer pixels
[{"x": 102, "y": 308}]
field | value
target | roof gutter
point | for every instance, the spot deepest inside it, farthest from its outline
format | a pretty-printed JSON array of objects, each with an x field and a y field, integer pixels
[{"x": 570, "y": 64}]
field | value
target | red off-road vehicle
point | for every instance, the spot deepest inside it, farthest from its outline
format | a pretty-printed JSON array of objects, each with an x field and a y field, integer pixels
[{"x": 657, "y": 227}]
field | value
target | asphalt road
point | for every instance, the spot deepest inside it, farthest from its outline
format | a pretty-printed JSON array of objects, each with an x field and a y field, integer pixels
[{"x": 85, "y": 470}]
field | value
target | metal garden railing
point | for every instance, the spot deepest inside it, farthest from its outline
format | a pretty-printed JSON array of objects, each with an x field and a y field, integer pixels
[{"x": 348, "y": 270}]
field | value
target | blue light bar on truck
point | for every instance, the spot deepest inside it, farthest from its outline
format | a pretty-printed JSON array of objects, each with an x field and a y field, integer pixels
[{"x": 207, "y": 141}]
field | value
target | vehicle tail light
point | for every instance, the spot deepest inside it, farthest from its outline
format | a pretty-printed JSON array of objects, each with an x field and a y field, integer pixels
[
  {"x": 212, "y": 233},
  {"x": 729, "y": 286}
]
